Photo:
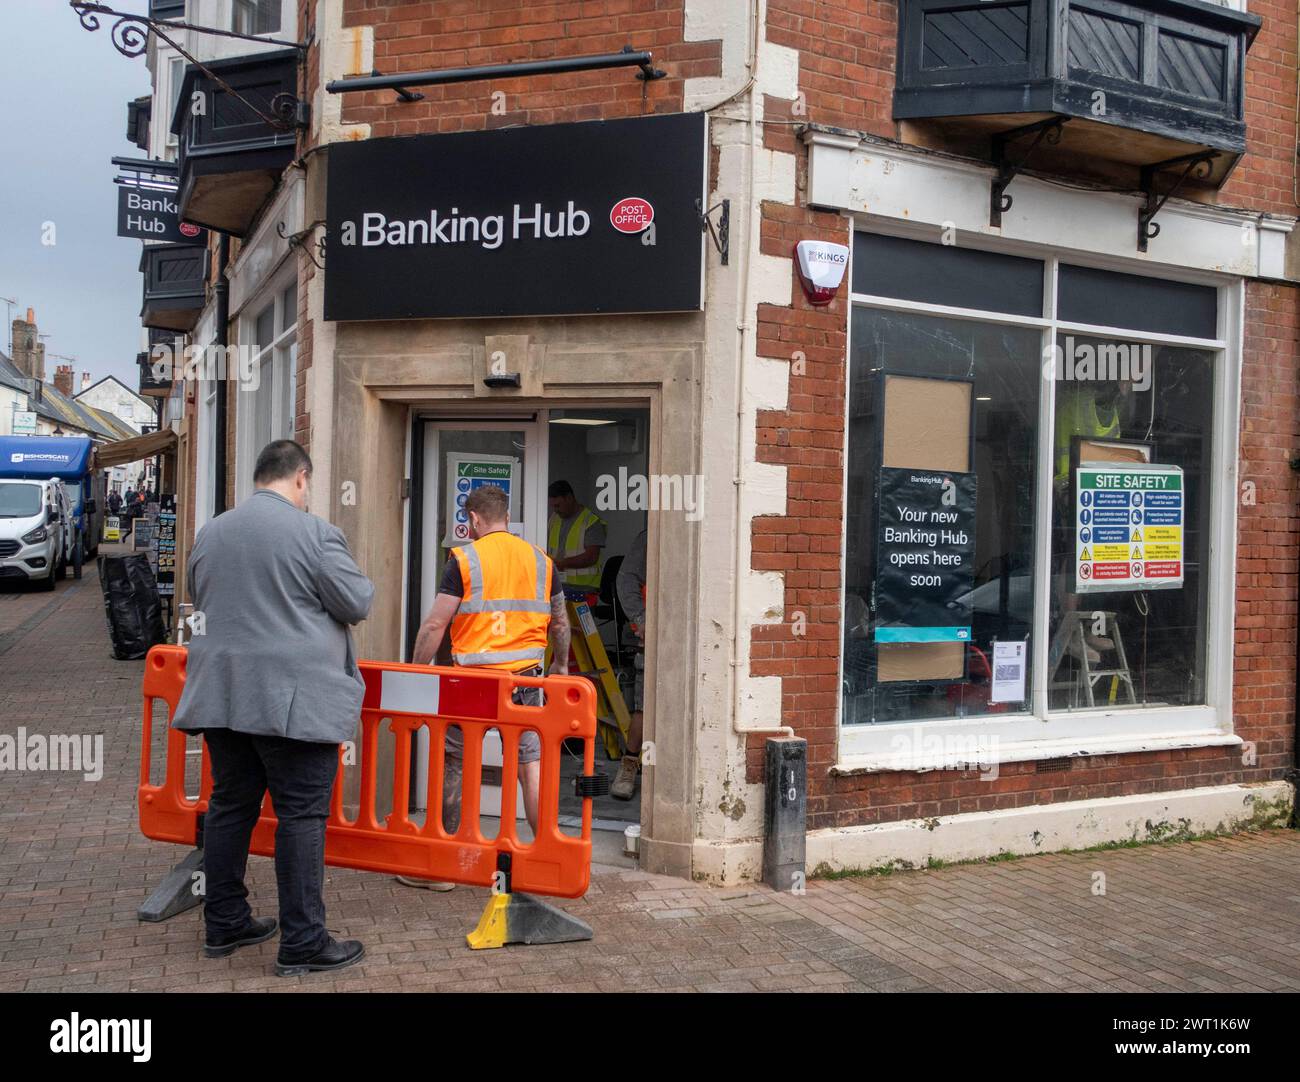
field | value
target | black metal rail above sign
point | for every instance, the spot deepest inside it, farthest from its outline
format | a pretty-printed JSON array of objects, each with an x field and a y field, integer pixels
[{"x": 628, "y": 58}]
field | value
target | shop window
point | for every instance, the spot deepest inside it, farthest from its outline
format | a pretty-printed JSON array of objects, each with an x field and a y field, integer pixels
[
  {"x": 1003, "y": 364},
  {"x": 256, "y": 16},
  {"x": 1146, "y": 412},
  {"x": 1029, "y": 492},
  {"x": 267, "y": 402}
]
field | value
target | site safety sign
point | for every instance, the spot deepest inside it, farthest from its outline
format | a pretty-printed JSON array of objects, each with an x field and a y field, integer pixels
[
  {"x": 1128, "y": 528},
  {"x": 465, "y": 473}
]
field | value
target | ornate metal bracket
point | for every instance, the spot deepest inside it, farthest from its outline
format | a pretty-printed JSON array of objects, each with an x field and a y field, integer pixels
[
  {"x": 1148, "y": 227},
  {"x": 299, "y": 240},
  {"x": 1049, "y": 130},
  {"x": 722, "y": 237},
  {"x": 131, "y": 38},
  {"x": 131, "y": 32}
]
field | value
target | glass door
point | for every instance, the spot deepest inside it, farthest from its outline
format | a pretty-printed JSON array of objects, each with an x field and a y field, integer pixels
[{"x": 460, "y": 455}]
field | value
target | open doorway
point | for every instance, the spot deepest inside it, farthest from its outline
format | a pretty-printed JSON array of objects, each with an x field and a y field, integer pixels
[
  {"x": 596, "y": 525},
  {"x": 602, "y": 456}
]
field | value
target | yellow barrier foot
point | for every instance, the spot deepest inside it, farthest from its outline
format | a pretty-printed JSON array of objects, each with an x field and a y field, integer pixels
[{"x": 523, "y": 918}]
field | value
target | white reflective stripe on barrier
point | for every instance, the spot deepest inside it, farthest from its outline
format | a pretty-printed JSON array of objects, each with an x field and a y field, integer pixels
[{"x": 409, "y": 692}]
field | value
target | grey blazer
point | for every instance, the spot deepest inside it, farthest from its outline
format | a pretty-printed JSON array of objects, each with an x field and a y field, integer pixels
[{"x": 277, "y": 588}]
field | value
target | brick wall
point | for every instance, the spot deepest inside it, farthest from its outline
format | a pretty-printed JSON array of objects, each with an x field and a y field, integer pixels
[
  {"x": 843, "y": 48},
  {"x": 1265, "y": 178},
  {"x": 412, "y": 37}
]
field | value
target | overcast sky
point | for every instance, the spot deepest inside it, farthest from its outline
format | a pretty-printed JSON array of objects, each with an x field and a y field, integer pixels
[{"x": 64, "y": 91}]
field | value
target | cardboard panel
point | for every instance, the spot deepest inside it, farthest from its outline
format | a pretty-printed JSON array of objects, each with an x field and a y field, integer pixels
[
  {"x": 920, "y": 661},
  {"x": 927, "y": 424},
  {"x": 1105, "y": 451}
]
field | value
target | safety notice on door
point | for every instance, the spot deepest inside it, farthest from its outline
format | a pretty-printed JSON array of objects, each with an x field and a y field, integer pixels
[
  {"x": 1128, "y": 528},
  {"x": 466, "y": 472}
]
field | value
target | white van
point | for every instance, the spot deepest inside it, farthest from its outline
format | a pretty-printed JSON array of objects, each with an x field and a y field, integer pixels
[{"x": 33, "y": 530}]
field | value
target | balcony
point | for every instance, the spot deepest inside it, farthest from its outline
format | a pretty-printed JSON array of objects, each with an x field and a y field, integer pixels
[
  {"x": 1139, "y": 88},
  {"x": 138, "y": 114},
  {"x": 235, "y": 145},
  {"x": 173, "y": 285}
]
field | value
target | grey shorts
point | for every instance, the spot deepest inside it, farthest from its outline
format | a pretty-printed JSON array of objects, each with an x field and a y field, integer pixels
[
  {"x": 638, "y": 685},
  {"x": 530, "y": 744}
]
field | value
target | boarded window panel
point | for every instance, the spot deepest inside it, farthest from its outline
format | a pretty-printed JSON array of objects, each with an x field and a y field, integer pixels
[
  {"x": 945, "y": 274},
  {"x": 1191, "y": 67},
  {"x": 976, "y": 37},
  {"x": 1110, "y": 46},
  {"x": 1137, "y": 302}
]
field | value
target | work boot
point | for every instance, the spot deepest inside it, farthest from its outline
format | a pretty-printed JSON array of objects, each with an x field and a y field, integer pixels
[
  {"x": 334, "y": 955},
  {"x": 257, "y": 930},
  {"x": 425, "y": 884},
  {"x": 625, "y": 784}
]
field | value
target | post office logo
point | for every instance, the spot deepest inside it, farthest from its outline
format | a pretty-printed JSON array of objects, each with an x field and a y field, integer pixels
[{"x": 632, "y": 214}]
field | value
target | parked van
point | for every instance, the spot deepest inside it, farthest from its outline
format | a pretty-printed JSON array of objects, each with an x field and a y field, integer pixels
[
  {"x": 71, "y": 460},
  {"x": 36, "y": 525}
]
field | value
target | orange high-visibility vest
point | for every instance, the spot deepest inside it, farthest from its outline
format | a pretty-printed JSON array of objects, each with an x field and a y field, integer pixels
[{"x": 505, "y": 607}]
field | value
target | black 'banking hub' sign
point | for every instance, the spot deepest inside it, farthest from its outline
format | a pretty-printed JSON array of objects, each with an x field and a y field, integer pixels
[{"x": 549, "y": 220}]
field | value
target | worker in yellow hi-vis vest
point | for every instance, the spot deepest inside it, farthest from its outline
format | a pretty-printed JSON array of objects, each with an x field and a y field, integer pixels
[{"x": 575, "y": 539}]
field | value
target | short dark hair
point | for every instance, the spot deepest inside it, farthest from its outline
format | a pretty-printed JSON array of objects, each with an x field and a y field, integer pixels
[
  {"x": 280, "y": 460},
  {"x": 489, "y": 502},
  {"x": 560, "y": 488}
]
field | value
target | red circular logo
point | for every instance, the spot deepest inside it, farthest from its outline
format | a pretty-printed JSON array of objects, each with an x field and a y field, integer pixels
[
  {"x": 189, "y": 230},
  {"x": 1085, "y": 571},
  {"x": 632, "y": 214}
]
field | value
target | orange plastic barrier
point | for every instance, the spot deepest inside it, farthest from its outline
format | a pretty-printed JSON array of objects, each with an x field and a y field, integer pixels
[{"x": 408, "y": 698}]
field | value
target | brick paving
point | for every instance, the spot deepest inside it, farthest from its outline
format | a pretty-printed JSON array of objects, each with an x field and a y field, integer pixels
[{"x": 1215, "y": 915}]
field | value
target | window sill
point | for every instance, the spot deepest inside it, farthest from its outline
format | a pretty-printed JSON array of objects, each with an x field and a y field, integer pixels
[{"x": 940, "y": 745}]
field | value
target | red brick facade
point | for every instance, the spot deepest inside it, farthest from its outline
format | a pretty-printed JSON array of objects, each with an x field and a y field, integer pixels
[
  {"x": 846, "y": 53},
  {"x": 846, "y": 80}
]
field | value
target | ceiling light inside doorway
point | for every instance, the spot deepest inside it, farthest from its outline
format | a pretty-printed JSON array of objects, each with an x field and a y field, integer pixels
[{"x": 582, "y": 421}]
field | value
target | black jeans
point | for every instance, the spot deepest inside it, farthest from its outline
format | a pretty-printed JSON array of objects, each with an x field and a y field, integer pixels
[{"x": 300, "y": 776}]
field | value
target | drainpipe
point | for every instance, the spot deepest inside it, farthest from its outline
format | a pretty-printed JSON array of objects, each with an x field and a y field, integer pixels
[
  {"x": 221, "y": 289},
  {"x": 745, "y": 328},
  {"x": 1293, "y": 774}
]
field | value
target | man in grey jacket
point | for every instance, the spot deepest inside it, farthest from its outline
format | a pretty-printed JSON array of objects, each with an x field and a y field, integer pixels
[{"x": 273, "y": 685}]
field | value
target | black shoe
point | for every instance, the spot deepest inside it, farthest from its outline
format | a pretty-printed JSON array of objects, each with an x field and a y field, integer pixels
[
  {"x": 258, "y": 930},
  {"x": 334, "y": 955}
]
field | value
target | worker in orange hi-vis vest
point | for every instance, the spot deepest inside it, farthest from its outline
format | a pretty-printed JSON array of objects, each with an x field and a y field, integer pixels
[{"x": 502, "y": 598}]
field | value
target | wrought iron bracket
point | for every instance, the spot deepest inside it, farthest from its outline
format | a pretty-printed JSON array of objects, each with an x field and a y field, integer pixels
[
  {"x": 722, "y": 236},
  {"x": 1008, "y": 170},
  {"x": 1148, "y": 227},
  {"x": 131, "y": 41},
  {"x": 299, "y": 240}
]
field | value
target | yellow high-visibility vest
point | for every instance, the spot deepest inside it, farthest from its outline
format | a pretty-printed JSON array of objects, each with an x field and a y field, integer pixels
[
  {"x": 1077, "y": 415},
  {"x": 505, "y": 607},
  {"x": 572, "y": 543}
]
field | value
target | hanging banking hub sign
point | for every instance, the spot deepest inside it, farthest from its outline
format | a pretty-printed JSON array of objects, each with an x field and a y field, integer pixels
[{"x": 563, "y": 219}]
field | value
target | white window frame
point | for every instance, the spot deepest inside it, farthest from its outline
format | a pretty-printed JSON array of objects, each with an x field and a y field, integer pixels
[
  {"x": 206, "y": 451},
  {"x": 282, "y": 383},
  {"x": 1038, "y": 733},
  {"x": 288, "y": 19},
  {"x": 175, "y": 77}
]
